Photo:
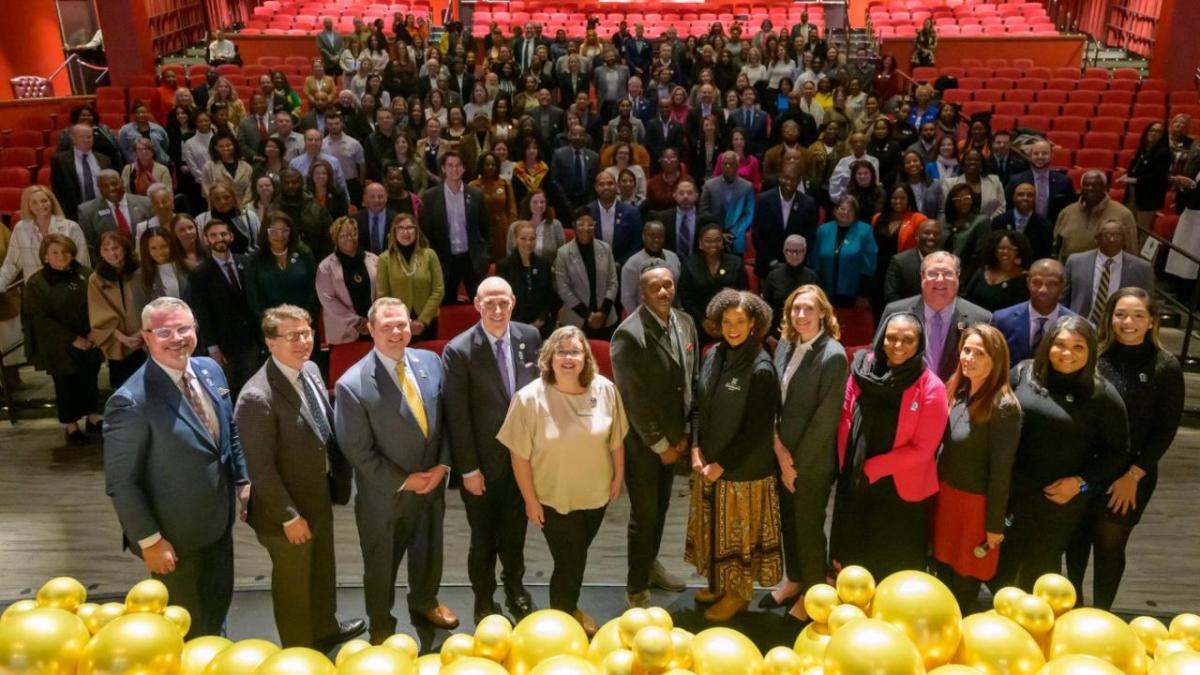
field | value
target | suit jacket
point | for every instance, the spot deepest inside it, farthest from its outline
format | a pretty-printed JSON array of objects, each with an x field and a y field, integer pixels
[
  {"x": 965, "y": 314},
  {"x": 562, "y": 172},
  {"x": 378, "y": 433},
  {"x": 437, "y": 228},
  {"x": 627, "y": 223},
  {"x": 222, "y": 311},
  {"x": 571, "y": 282},
  {"x": 1038, "y": 230},
  {"x": 362, "y": 217},
  {"x": 569, "y": 87},
  {"x": 96, "y": 218},
  {"x": 903, "y": 276},
  {"x": 250, "y": 137},
  {"x": 644, "y": 109},
  {"x": 553, "y": 117},
  {"x": 1081, "y": 277},
  {"x": 1014, "y": 165},
  {"x": 162, "y": 467},
  {"x": 659, "y": 135},
  {"x": 808, "y": 415},
  {"x": 65, "y": 182},
  {"x": 772, "y": 226},
  {"x": 476, "y": 399},
  {"x": 736, "y": 214},
  {"x": 754, "y": 123},
  {"x": 293, "y": 471},
  {"x": 602, "y": 87},
  {"x": 656, "y": 386},
  {"x": 669, "y": 218},
  {"x": 1013, "y": 322},
  {"x": 1062, "y": 191}
]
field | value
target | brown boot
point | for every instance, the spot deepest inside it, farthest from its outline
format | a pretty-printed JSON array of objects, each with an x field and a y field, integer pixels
[
  {"x": 705, "y": 596},
  {"x": 725, "y": 608}
]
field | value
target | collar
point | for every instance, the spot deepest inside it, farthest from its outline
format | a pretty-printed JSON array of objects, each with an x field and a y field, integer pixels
[
  {"x": 449, "y": 190},
  {"x": 610, "y": 209},
  {"x": 290, "y": 373},
  {"x": 1034, "y": 314},
  {"x": 175, "y": 375},
  {"x": 946, "y": 312},
  {"x": 390, "y": 363},
  {"x": 808, "y": 345},
  {"x": 1101, "y": 258},
  {"x": 492, "y": 339}
]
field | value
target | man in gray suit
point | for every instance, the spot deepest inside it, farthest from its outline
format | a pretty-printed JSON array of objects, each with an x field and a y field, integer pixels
[
  {"x": 298, "y": 472},
  {"x": 114, "y": 209},
  {"x": 389, "y": 424},
  {"x": 945, "y": 314},
  {"x": 174, "y": 468},
  {"x": 484, "y": 367},
  {"x": 1088, "y": 288},
  {"x": 655, "y": 366}
]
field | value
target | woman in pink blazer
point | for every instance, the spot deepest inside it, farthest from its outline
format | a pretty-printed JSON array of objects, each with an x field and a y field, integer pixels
[
  {"x": 346, "y": 285},
  {"x": 893, "y": 419}
]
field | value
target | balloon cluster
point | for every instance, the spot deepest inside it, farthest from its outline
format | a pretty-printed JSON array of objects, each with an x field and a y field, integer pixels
[{"x": 908, "y": 624}]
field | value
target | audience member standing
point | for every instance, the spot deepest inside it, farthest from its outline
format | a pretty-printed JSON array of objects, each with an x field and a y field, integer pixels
[
  {"x": 228, "y": 328},
  {"x": 409, "y": 270},
  {"x": 1025, "y": 324},
  {"x": 452, "y": 218},
  {"x": 115, "y": 319},
  {"x": 74, "y": 172},
  {"x": 346, "y": 284},
  {"x": 282, "y": 270},
  {"x": 41, "y": 216},
  {"x": 528, "y": 273},
  {"x": 586, "y": 281}
]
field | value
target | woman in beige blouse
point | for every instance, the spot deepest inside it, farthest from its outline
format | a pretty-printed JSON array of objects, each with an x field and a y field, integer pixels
[{"x": 566, "y": 432}]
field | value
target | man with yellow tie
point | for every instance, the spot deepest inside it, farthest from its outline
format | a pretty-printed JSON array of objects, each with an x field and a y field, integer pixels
[{"x": 388, "y": 420}]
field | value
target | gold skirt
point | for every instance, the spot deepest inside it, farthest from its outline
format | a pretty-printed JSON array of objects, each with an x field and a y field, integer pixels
[{"x": 733, "y": 534}]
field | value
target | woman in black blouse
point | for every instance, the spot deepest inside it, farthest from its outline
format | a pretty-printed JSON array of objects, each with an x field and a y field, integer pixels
[
  {"x": 705, "y": 273},
  {"x": 530, "y": 278},
  {"x": 975, "y": 465},
  {"x": 1074, "y": 441},
  {"x": 1001, "y": 281},
  {"x": 1150, "y": 381},
  {"x": 1147, "y": 174}
]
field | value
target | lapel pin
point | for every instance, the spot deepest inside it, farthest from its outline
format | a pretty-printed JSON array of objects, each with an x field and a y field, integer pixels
[{"x": 914, "y": 406}]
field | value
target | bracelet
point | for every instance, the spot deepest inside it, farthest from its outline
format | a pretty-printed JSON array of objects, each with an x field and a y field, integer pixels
[{"x": 1135, "y": 472}]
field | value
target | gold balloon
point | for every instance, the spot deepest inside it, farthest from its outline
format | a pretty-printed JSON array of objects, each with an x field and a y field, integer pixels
[
  {"x": 566, "y": 664},
  {"x": 1149, "y": 630},
  {"x": 1056, "y": 590},
  {"x": 1005, "y": 600},
  {"x": 102, "y": 616},
  {"x": 618, "y": 662},
  {"x": 819, "y": 601},
  {"x": 180, "y": 617},
  {"x": 681, "y": 649},
  {"x": 855, "y": 585},
  {"x": 474, "y": 665},
  {"x": 349, "y": 649},
  {"x": 42, "y": 641},
  {"x": 1165, "y": 648},
  {"x": 296, "y": 661},
  {"x": 456, "y": 647},
  {"x": 953, "y": 669},
  {"x": 1180, "y": 663},
  {"x": 149, "y": 595},
  {"x": 383, "y": 661},
  {"x": 542, "y": 634},
  {"x": 404, "y": 644},
  {"x": 810, "y": 646},
  {"x": 679, "y": 671},
  {"x": 631, "y": 622},
  {"x": 842, "y": 615},
  {"x": 872, "y": 646},
  {"x": 607, "y": 639},
  {"x": 996, "y": 645},
  {"x": 493, "y": 638},
  {"x": 722, "y": 651},
  {"x": 1095, "y": 632},
  {"x": 1078, "y": 664},
  {"x": 921, "y": 606},
  {"x": 62, "y": 592},
  {"x": 782, "y": 661},
  {"x": 1034, "y": 615},
  {"x": 241, "y": 658},
  {"x": 653, "y": 648},
  {"x": 429, "y": 664},
  {"x": 660, "y": 617},
  {"x": 1186, "y": 627},
  {"x": 134, "y": 643},
  {"x": 199, "y": 652},
  {"x": 815, "y": 670},
  {"x": 84, "y": 611},
  {"x": 18, "y": 607}
]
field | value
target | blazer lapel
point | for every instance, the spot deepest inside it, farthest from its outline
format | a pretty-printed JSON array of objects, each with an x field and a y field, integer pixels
[
  {"x": 171, "y": 396},
  {"x": 206, "y": 382},
  {"x": 280, "y": 385},
  {"x": 1024, "y": 323},
  {"x": 391, "y": 395},
  {"x": 654, "y": 331}
]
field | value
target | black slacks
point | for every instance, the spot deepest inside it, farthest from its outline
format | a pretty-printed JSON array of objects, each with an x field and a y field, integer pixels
[
  {"x": 498, "y": 523},
  {"x": 649, "y": 483},
  {"x": 874, "y": 527},
  {"x": 1039, "y": 536},
  {"x": 802, "y": 521},
  {"x": 569, "y": 535},
  {"x": 459, "y": 269},
  {"x": 120, "y": 370},
  {"x": 78, "y": 394},
  {"x": 304, "y": 584},
  {"x": 202, "y": 583},
  {"x": 413, "y": 526}
]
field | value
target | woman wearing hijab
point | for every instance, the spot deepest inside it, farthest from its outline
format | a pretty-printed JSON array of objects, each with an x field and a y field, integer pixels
[{"x": 893, "y": 419}]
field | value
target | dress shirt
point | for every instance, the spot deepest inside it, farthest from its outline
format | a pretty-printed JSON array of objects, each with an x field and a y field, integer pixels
[
  {"x": 123, "y": 207},
  {"x": 348, "y": 151},
  {"x": 935, "y": 345},
  {"x": 608, "y": 222},
  {"x": 390, "y": 365},
  {"x": 377, "y": 229},
  {"x": 293, "y": 377},
  {"x": 1021, "y": 220},
  {"x": 93, "y": 165},
  {"x": 785, "y": 206},
  {"x": 1114, "y": 274},
  {"x": 794, "y": 363},
  {"x": 1033, "y": 322},
  {"x": 303, "y": 162},
  {"x": 456, "y": 218},
  {"x": 685, "y": 218},
  {"x": 512, "y": 367}
]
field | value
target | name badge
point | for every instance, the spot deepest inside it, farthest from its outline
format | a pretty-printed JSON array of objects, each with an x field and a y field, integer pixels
[
  {"x": 732, "y": 385},
  {"x": 104, "y": 212},
  {"x": 590, "y": 410},
  {"x": 914, "y": 406}
]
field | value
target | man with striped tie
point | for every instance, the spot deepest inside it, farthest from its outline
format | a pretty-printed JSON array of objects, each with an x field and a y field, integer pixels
[{"x": 1094, "y": 275}]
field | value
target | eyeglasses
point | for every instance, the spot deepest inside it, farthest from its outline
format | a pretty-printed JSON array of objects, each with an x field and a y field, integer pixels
[
  {"x": 940, "y": 275},
  {"x": 568, "y": 353},
  {"x": 166, "y": 333},
  {"x": 279, "y": 230},
  {"x": 297, "y": 335},
  {"x": 406, "y": 228}
]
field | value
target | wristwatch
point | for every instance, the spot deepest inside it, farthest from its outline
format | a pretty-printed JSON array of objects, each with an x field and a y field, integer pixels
[{"x": 1083, "y": 486}]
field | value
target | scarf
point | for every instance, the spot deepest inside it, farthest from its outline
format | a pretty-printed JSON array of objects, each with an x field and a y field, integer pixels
[{"x": 873, "y": 425}]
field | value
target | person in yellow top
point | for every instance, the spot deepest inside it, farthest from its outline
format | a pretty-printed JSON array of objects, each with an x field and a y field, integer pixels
[{"x": 409, "y": 270}]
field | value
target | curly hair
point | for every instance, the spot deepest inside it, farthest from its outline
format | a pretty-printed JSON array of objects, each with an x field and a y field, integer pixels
[{"x": 754, "y": 306}]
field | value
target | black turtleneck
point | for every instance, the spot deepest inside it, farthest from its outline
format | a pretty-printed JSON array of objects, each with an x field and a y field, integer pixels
[{"x": 1150, "y": 381}]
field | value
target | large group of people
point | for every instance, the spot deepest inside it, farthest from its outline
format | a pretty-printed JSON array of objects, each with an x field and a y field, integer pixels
[{"x": 1010, "y": 411}]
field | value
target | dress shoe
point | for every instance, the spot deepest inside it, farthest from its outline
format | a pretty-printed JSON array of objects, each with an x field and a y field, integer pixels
[
  {"x": 96, "y": 427},
  {"x": 726, "y": 608},
  {"x": 640, "y": 599},
  {"x": 768, "y": 601},
  {"x": 485, "y": 608},
  {"x": 588, "y": 623},
  {"x": 520, "y": 604},
  {"x": 705, "y": 596},
  {"x": 76, "y": 437},
  {"x": 438, "y": 617},
  {"x": 661, "y": 578},
  {"x": 346, "y": 631}
]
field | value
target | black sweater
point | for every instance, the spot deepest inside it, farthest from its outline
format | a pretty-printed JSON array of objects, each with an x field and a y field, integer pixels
[
  {"x": 738, "y": 401},
  {"x": 1150, "y": 381}
]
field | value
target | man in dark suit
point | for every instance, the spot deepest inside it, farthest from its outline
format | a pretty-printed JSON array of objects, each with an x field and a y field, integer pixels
[
  {"x": 524, "y": 46},
  {"x": 1003, "y": 162},
  {"x": 286, "y": 426},
  {"x": 462, "y": 80},
  {"x": 684, "y": 222},
  {"x": 708, "y": 104},
  {"x": 903, "y": 276},
  {"x": 452, "y": 219},
  {"x": 663, "y": 131},
  {"x": 1024, "y": 324},
  {"x": 200, "y": 94},
  {"x": 778, "y": 213},
  {"x": 945, "y": 314},
  {"x": 572, "y": 82},
  {"x": 389, "y": 422},
  {"x": 115, "y": 209},
  {"x": 752, "y": 121},
  {"x": 1021, "y": 217},
  {"x": 574, "y": 167},
  {"x": 315, "y": 117},
  {"x": 637, "y": 51},
  {"x": 174, "y": 469},
  {"x": 74, "y": 173},
  {"x": 641, "y": 107},
  {"x": 228, "y": 327},
  {"x": 548, "y": 119},
  {"x": 254, "y": 127},
  {"x": 484, "y": 367},
  {"x": 374, "y": 221},
  {"x": 618, "y": 223},
  {"x": 1094, "y": 275},
  {"x": 1053, "y": 190},
  {"x": 655, "y": 366}
]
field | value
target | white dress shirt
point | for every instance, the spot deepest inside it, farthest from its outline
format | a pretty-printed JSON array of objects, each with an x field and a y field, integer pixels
[
  {"x": 1114, "y": 274},
  {"x": 456, "y": 218},
  {"x": 608, "y": 222},
  {"x": 793, "y": 363}
]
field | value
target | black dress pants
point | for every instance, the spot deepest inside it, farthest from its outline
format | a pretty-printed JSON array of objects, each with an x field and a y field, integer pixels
[
  {"x": 120, "y": 370},
  {"x": 802, "y": 520},
  {"x": 459, "y": 269},
  {"x": 649, "y": 483},
  {"x": 304, "y": 584},
  {"x": 569, "y": 535},
  {"x": 240, "y": 366},
  {"x": 78, "y": 394},
  {"x": 498, "y": 523},
  {"x": 202, "y": 583}
]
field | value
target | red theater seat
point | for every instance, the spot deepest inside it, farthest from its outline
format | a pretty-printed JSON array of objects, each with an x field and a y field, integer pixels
[
  {"x": 455, "y": 319},
  {"x": 600, "y": 353}
]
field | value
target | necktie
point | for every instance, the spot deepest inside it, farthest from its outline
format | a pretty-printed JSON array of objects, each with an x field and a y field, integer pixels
[
  {"x": 936, "y": 342},
  {"x": 89, "y": 183},
  {"x": 502, "y": 362},
  {"x": 231, "y": 274},
  {"x": 1101, "y": 294},
  {"x": 1042, "y": 198},
  {"x": 262, "y": 126},
  {"x": 1038, "y": 333},
  {"x": 193, "y": 398},
  {"x": 122, "y": 221},
  {"x": 685, "y": 236},
  {"x": 376, "y": 233},
  {"x": 580, "y": 173},
  {"x": 315, "y": 409},
  {"x": 412, "y": 396}
]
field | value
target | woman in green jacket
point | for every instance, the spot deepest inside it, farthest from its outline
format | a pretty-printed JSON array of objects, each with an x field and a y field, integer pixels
[{"x": 409, "y": 270}]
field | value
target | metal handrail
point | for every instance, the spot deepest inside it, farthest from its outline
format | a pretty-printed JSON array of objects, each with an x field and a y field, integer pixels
[{"x": 1191, "y": 307}]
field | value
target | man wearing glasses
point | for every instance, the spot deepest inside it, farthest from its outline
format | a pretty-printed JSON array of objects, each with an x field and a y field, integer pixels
[
  {"x": 286, "y": 425},
  {"x": 174, "y": 468}
]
